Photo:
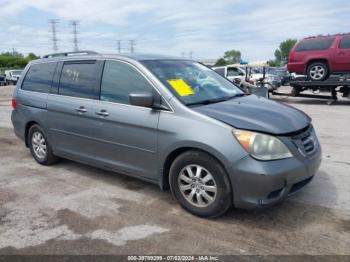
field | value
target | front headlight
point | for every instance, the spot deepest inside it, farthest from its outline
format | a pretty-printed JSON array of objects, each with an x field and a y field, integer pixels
[{"x": 261, "y": 146}]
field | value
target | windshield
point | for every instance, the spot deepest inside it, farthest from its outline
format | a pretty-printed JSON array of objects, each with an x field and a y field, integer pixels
[{"x": 191, "y": 82}]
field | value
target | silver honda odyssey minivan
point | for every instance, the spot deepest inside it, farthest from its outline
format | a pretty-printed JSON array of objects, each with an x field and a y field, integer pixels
[{"x": 169, "y": 121}]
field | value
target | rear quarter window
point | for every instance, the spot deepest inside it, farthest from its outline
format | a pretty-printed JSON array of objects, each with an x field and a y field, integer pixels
[
  {"x": 314, "y": 44},
  {"x": 39, "y": 77}
]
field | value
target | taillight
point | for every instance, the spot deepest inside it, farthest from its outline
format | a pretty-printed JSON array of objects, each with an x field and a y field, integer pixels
[{"x": 14, "y": 103}]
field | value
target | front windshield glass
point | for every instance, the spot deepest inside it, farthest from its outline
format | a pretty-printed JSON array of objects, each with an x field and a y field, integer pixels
[{"x": 191, "y": 82}]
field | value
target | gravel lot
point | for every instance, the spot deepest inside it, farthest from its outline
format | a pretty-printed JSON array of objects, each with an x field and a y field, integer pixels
[{"x": 71, "y": 208}]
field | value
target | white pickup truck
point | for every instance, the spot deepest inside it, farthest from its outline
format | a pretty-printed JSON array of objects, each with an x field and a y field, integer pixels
[
  {"x": 12, "y": 76},
  {"x": 232, "y": 73}
]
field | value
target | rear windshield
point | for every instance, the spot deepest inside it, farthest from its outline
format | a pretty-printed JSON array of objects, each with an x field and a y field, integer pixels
[{"x": 314, "y": 44}]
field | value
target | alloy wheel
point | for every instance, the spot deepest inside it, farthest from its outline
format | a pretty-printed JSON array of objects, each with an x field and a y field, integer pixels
[
  {"x": 317, "y": 72},
  {"x": 39, "y": 145},
  {"x": 197, "y": 185}
]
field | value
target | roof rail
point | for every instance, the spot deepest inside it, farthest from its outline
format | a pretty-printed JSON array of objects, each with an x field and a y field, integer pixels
[
  {"x": 71, "y": 54},
  {"x": 329, "y": 35}
]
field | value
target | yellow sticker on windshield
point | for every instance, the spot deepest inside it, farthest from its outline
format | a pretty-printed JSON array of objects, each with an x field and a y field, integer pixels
[{"x": 181, "y": 87}]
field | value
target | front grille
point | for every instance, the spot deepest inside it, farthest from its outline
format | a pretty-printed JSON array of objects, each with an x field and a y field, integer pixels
[{"x": 306, "y": 142}]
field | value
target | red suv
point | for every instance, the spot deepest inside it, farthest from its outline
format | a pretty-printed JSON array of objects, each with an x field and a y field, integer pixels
[{"x": 318, "y": 57}]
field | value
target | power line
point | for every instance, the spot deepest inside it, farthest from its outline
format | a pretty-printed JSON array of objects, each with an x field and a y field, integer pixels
[
  {"x": 75, "y": 23},
  {"x": 53, "y": 31}
]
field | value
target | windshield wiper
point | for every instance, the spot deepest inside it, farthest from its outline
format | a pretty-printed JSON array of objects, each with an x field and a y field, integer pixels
[{"x": 215, "y": 100}]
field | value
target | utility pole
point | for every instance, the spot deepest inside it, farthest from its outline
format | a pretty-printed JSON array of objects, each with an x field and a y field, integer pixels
[
  {"x": 119, "y": 46},
  {"x": 53, "y": 23},
  {"x": 75, "y": 23},
  {"x": 132, "y": 44},
  {"x": 191, "y": 55}
]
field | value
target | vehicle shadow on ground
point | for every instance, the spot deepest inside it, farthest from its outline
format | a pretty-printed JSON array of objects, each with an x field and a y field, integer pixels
[{"x": 293, "y": 213}]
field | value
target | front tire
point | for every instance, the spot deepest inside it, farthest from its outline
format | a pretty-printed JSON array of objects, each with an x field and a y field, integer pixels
[
  {"x": 318, "y": 71},
  {"x": 200, "y": 184},
  {"x": 40, "y": 147}
]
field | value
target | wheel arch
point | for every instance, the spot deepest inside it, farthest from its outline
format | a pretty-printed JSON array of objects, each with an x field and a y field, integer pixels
[
  {"x": 26, "y": 131},
  {"x": 166, "y": 164},
  {"x": 314, "y": 60}
]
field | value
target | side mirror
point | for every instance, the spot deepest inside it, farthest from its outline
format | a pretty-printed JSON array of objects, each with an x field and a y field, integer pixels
[
  {"x": 241, "y": 73},
  {"x": 144, "y": 99}
]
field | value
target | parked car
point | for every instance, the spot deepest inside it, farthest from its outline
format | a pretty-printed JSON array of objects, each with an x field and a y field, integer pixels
[
  {"x": 319, "y": 57},
  {"x": 284, "y": 75},
  {"x": 231, "y": 72},
  {"x": 172, "y": 122},
  {"x": 236, "y": 74},
  {"x": 272, "y": 81},
  {"x": 2, "y": 80},
  {"x": 12, "y": 76}
]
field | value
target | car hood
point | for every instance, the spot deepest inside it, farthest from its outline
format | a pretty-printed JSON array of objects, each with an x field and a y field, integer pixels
[{"x": 257, "y": 114}]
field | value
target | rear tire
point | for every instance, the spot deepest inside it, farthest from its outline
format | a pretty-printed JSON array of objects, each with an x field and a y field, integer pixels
[
  {"x": 40, "y": 147},
  {"x": 200, "y": 184},
  {"x": 317, "y": 71}
]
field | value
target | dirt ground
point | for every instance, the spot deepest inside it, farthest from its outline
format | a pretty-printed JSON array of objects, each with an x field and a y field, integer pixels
[{"x": 71, "y": 208}]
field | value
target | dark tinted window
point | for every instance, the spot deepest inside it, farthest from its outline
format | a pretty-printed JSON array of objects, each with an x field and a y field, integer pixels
[
  {"x": 220, "y": 71},
  {"x": 119, "y": 80},
  {"x": 39, "y": 77},
  {"x": 231, "y": 71},
  {"x": 345, "y": 43},
  {"x": 80, "y": 79},
  {"x": 314, "y": 44}
]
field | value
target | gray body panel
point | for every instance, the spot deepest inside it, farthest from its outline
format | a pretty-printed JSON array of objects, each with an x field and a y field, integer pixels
[
  {"x": 126, "y": 139},
  {"x": 138, "y": 141}
]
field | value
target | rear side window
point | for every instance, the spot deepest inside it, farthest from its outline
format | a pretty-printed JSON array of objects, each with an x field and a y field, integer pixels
[
  {"x": 314, "y": 44},
  {"x": 119, "y": 80},
  {"x": 39, "y": 77},
  {"x": 80, "y": 79},
  {"x": 345, "y": 43}
]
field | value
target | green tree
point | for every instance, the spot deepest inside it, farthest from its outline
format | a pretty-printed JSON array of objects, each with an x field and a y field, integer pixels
[
  {"x": 282, "y": 53},
  {"x": 230, "y": 57},
  {"x": 15, "y": 60},
  {"x": 32, "y": 56},
  {"x": 220, "y": 62},
  {"x": 273, "y": 63}
]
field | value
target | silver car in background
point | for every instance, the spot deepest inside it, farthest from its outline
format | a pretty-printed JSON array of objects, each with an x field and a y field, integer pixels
[{"x": 169, "y": 121}]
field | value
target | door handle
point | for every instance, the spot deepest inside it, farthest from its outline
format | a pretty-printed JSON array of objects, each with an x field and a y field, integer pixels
[
  {"x": 81, "y": 109},
  {"x": 102, "y": 113},
  {"x": 341, "y": 53}
]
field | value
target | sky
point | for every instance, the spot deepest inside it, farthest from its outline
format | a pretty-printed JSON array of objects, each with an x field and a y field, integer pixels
[{"x": 207, "y": 28}]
